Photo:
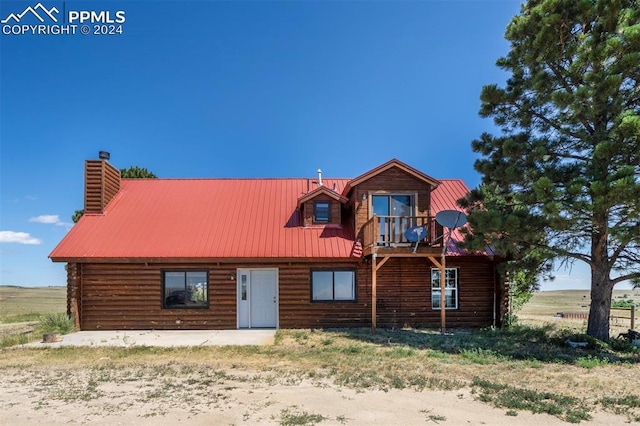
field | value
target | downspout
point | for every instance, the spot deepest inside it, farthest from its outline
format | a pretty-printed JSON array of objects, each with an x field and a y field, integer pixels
[{"x": 495, "y": 291}]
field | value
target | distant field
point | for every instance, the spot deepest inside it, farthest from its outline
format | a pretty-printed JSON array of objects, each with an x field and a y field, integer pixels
[
  {"x": 544, "y": 305},
  {"x": 27, "y": 303}
]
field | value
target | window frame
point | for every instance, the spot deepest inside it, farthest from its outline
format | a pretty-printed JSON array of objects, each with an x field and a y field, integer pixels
[
  {"x": 455, "y": 288},
  {"x": 315, "y": 211},
  {"x": 164, "y": 304},
  {"x": 413, "y": 200},
  {"x": 333, "y": 271}
]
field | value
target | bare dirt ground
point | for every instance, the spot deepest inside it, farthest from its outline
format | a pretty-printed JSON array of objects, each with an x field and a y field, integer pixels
[
  {"x": 300, "y": 382},
  {"x": 145, "y": 396}
]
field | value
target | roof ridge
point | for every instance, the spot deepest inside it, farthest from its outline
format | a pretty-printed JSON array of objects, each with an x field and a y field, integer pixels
[{"x": 235, "y": 178}]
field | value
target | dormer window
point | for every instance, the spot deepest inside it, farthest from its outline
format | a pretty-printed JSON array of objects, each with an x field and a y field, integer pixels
[
  {"x": 321, "y": 212},
  {"x": 321, "y": 207}
]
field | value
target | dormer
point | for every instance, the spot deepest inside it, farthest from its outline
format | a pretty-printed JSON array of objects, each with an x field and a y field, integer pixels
[
  {"x": 396, "y": 195},
  {"x": 322, "y": 206}
]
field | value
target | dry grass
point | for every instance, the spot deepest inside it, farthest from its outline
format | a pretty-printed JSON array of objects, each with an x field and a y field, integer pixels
[
  {"x": 23, "y": 304},
  {"x": 544, "y": 305},
  {"x": 521, "y": 362}
]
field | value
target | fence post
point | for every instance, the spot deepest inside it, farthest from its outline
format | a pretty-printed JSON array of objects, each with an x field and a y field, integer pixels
[{"x": 633, "y": 317}]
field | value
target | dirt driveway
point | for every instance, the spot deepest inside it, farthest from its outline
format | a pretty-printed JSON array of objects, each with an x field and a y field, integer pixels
[{"x": 166, "y": 394}]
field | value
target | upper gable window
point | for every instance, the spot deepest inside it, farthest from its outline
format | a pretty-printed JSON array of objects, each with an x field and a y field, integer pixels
[{"x": 321, "y": 212}]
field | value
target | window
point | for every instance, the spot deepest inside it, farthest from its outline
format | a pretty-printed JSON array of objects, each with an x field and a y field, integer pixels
[
  {"x": 330, "y": 285},
  {"x": 451, "y": 288},
  {"x": 322, "y": 211},
  {"x": 185, "y": 289},
  {"x": 395, "y": 214}
]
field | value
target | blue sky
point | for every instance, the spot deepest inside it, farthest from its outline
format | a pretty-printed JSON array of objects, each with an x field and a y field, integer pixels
[{"x": 237, "y": 89}]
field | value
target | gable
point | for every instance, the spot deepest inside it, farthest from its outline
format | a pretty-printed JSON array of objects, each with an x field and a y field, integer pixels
[
  {"x": 393, "y": 165},
  {"x": 322, "y": 192}
]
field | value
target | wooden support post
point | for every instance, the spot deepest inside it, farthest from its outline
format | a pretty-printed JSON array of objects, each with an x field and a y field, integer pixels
[
  {"x": 374, "y": 296},
  {"x": 443, "y": 310},
  {"x": 375, "y": 265},
  {"x": 633, "y": 317}
]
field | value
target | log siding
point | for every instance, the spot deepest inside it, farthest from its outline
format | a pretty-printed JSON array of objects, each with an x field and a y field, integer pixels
[{"x": 123, "y": 296}]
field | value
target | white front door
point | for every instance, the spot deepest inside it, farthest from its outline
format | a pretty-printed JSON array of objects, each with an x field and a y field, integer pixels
[{"x": 257, "y": 298}]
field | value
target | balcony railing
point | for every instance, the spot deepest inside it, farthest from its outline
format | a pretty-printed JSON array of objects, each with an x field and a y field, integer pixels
[{"x": 389, "y": 231}]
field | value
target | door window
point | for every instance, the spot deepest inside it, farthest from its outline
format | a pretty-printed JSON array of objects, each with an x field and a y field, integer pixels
[{"x": 395, "y": 213}]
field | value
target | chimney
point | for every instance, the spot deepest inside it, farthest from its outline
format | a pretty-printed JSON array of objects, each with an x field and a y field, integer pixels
[
  {"x": 319, "y": 177},
  {"x": 101, "y": 183}
]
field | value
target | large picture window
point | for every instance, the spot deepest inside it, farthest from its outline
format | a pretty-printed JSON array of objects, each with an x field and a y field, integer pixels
[
  {"x": 333, "y": 285},
  {"x": 185, "y": 289},
  {"x": 451, "y": 288}
]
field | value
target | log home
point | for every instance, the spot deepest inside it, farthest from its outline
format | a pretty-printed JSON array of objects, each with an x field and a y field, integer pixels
[{"x": 272, "y": 253}]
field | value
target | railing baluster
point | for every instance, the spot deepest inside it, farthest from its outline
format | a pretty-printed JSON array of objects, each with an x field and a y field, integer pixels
[{"x": 390, "y": 230}]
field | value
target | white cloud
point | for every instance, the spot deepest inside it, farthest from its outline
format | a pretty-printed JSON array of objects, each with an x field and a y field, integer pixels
[
  {"x": 50, "y": 218},
  {"x": 18, "y": 237},
  {"x": 46, "y": 218}
]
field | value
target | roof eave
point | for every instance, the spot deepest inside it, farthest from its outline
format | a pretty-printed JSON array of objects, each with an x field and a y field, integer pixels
[
  {"x": 321, "y": 190},
  {"x": 201, "y": 260}
]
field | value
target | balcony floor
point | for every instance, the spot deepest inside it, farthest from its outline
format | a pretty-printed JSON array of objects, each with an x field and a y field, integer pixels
[{"x": 403, "y": 251}]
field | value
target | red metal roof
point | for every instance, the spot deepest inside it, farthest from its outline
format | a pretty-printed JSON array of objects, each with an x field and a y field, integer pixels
[
  {"x": 217, "y": 218},
  {"x": 205, "y": 218},
  {"x": 445, "y": 197}
]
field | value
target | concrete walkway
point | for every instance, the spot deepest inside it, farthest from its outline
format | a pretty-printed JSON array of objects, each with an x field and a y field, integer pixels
[{"x": 162, "y": 338}]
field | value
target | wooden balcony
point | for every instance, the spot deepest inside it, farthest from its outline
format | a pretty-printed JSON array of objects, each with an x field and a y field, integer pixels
[{"x": 386, "y": 235}]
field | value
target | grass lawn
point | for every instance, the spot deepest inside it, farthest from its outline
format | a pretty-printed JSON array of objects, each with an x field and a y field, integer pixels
[{"x": 525, "y": 368}]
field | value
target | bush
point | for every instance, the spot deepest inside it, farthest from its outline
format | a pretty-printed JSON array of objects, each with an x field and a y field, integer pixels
[
  {"x": 624, "y": 303},
  {"x": 57, "y": 323}
]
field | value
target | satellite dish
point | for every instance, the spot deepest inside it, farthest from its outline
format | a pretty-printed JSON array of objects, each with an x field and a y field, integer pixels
[
  {"x": 451, "y": 218},
  {"x": 415, "y": 233}
]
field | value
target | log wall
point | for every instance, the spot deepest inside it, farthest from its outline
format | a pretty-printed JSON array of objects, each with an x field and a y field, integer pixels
[
  {"x": 404, "y": 293},
  {"x": 129, "y": 296}
]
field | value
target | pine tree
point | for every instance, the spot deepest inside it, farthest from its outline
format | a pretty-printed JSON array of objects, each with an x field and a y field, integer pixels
[{"x": 564, "y": 174}]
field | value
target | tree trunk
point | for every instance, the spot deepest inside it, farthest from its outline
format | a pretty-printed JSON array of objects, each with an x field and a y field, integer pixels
[
  {"x": 601, "y": 292},
  {"x": 601, "y": 287}
]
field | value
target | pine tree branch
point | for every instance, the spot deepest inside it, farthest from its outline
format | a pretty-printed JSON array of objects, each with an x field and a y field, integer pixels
[
  {"x": 551, "y": 124},
  {"x": 631, "y": 276},
  {"x": 617, "y": 253}
]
